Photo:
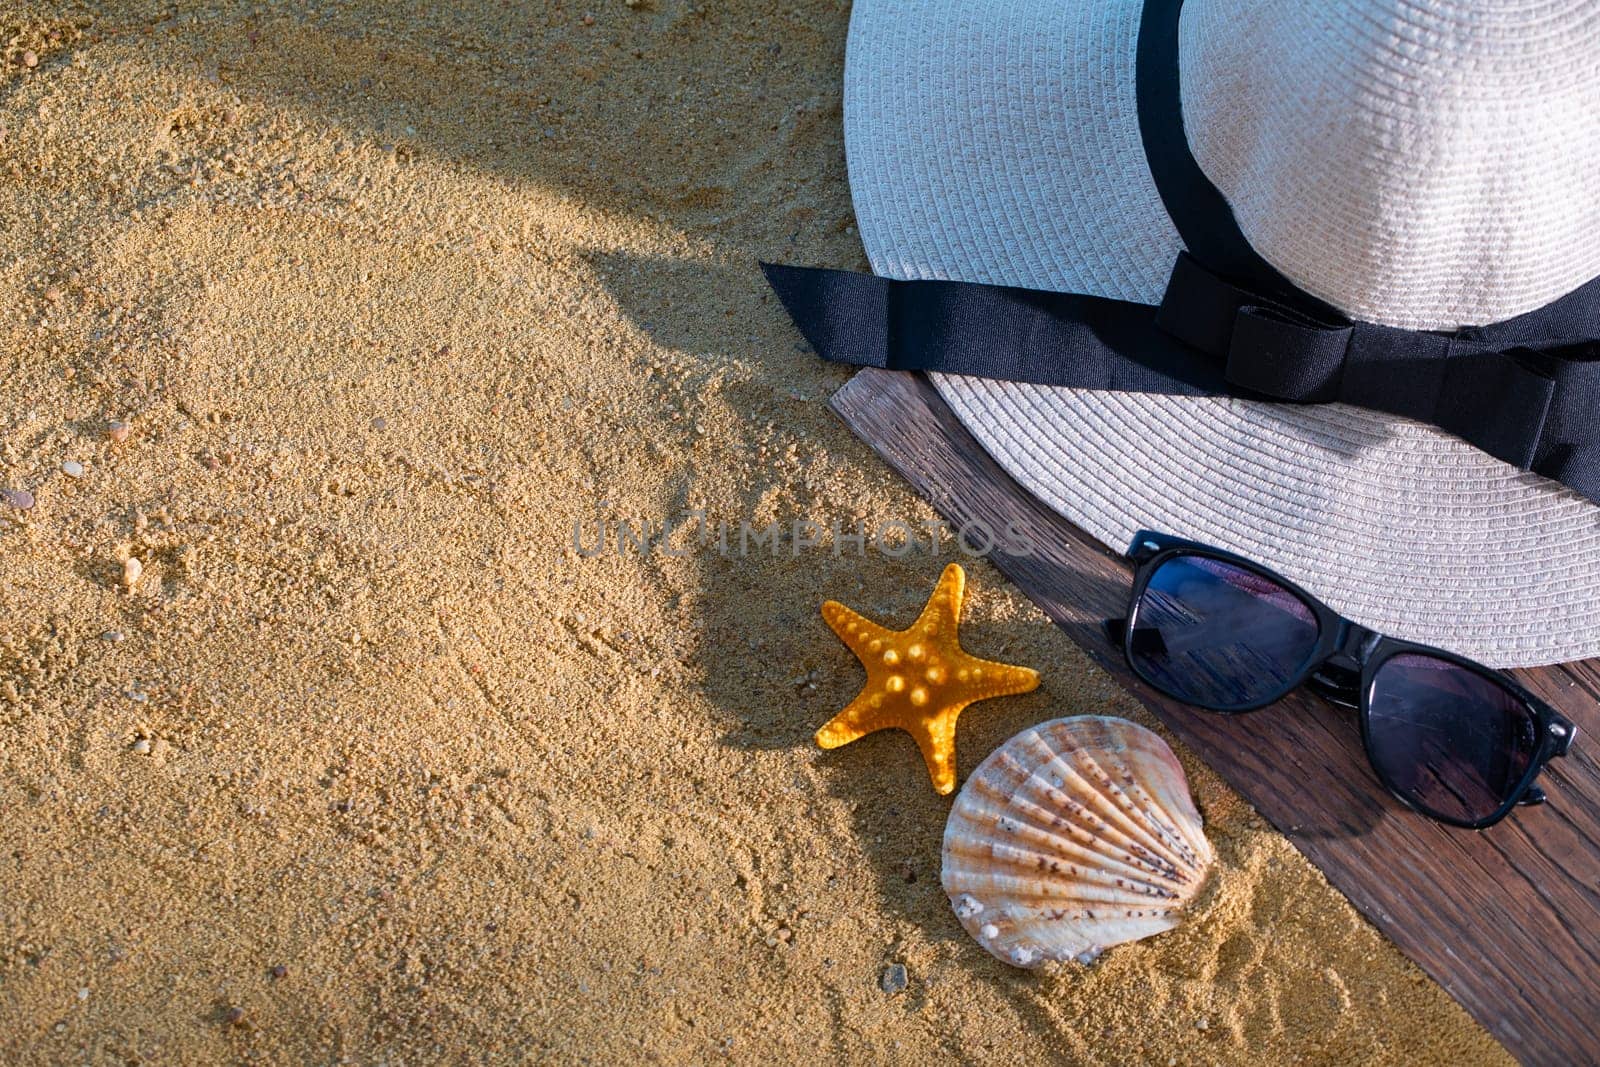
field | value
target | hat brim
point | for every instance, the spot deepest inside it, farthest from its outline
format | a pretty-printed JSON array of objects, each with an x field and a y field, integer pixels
[{"x": 998, "y": 141}]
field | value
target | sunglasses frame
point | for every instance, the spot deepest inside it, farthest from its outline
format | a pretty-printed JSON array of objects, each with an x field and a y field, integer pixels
[{"x": 1364, "y": 649}]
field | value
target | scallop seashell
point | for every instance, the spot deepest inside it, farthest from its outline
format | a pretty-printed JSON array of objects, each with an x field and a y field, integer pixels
[{"x": 1073, "y": 836}]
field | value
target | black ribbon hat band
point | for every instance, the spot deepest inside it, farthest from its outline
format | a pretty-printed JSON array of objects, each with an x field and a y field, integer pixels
[{"x": 1524, "y": 390}]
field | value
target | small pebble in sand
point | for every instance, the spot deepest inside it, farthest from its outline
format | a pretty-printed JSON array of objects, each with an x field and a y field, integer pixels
[
  {"x": 893, "y": 979},
  {"x": 83, "y": 994},
  {"x": 20, "y": 499},
  {"x": 30, "y": 59},
  {"x": 72, "y": 469},
  {"x": 118, "y": 431},
  {"x": 380, "y": 423},
  {"x": 235, "y": 1016},
  {"x": 114, "y": 637},
  {"x": 141, "y": 747},
  {"x": 132, "y": 571},
  {"x": 1202, "y": 1023},
  {"x": 279, "y": 971}
]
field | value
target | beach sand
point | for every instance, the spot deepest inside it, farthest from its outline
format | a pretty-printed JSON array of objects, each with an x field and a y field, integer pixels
[{"x": 338, "y": 321}]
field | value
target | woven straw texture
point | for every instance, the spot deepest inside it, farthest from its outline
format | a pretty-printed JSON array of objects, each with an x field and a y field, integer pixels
[{"x": 997, "y": 141}]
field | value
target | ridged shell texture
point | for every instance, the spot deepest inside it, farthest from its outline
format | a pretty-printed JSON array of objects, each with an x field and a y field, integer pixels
[{"x": 1073, "y": 836}]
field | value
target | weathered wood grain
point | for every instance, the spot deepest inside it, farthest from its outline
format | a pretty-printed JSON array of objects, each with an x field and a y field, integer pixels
[{"x": 1507, "y": 920}]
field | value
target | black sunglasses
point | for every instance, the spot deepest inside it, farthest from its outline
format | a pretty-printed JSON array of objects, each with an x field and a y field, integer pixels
[{"x": 1453, "y": 739}]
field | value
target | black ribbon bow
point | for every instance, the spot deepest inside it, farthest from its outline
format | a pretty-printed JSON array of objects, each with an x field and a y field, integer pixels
[{"x": 1495, "y": 398}]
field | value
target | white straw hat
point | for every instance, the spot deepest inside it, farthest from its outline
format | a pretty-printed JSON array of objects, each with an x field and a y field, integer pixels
[{"x": 1423, "y": 164}]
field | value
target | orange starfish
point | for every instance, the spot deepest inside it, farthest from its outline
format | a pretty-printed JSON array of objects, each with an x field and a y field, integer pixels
[{"x": 918, "y": 679}]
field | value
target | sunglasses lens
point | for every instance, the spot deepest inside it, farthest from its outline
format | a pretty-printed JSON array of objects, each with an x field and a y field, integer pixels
[
  {"x": 1220, "y": 635},
  {"x": 1452, "y": 741}
]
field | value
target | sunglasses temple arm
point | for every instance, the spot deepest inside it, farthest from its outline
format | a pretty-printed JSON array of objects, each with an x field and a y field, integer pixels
[{"x": 1534, "y": 795}]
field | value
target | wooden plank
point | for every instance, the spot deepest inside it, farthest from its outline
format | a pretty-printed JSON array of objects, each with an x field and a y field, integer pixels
[{"x": 1507, "y": 920}]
